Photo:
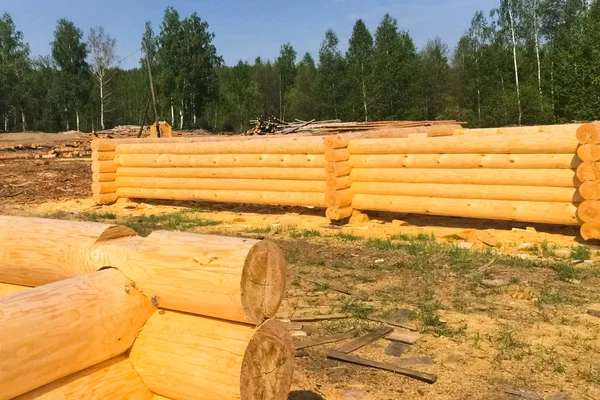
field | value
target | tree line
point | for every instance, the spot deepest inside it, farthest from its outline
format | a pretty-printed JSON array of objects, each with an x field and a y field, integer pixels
[{"x": 524, "y": 62}]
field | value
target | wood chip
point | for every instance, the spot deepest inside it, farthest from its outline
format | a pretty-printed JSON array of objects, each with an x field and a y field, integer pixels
[
  {"x": 326, "y": 340},
  {"x": 422, "y": 376},
  {"x": 365, "y": 340},
  {"x": 524, "y": 394},
  {"x": 314, "y": 318},
  {"x": 404, "y": 336},
  {"x": 294, "y": 326},
  {"x": 299, "y": 334},
  {"x": 594, "y": 310}
]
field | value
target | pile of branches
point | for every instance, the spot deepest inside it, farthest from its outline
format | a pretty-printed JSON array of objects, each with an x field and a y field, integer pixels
[{"x": 275, "y": 126}]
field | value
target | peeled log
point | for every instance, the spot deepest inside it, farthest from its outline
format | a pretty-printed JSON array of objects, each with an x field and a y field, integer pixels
[
  {"x": 338, "y": 182},
  {"x": 483, "y": 192},
  {"x": 517, "y": 177},
  {"x": 228, "y": 196},
  {"x": 499, "y": 161},
  {"x": 341, "y": 140},
  {"x": 336, "y": 214},
  {"x": 107, "y": 177},
  {"x": 500, "y": 144},
  {"x": 55, "y": 330},
  {"x": 588, "y": 171},
  {"x": 112, "y": 379},
  {"x": 589, "y": 152},
  {"x": 36, "y": 251},
  {"x": 7, "y": 288},
  {"x": 228, "y": 278},
  {"x": 540, "y": 212},
  {"x": 188, "y": 357},
  {"x": 589, "y": 133},
  {"x": 104, "y": 187},
  {"x": 302, "y": 174},
  {"x": 568, "y": 129},
  {"x": 337, "y": 155},
  {"x": 106, "y": 198},
  {"x": 222, "y": 184},
  {"x": 302, "y": 145},
  {"x": 589, "y": 211},
  {"x": 218, "y": 160},
  {"x": 590, "y": 231},
  {"x": 104, "y": 166},
  {"x": 338, "y": 198},
  {"x": 103, "y": 155},
  {"x": 338, "y": 168},
  {"x": 590, "y": 190}
]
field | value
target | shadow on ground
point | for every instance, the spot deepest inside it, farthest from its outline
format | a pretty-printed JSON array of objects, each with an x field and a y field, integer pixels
[{"x": 304, "y": 395}]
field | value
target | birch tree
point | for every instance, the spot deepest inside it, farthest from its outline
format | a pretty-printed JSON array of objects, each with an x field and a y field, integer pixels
[
  {"x": 360, "y": 57},
  {"x": 103, "y": 56}
]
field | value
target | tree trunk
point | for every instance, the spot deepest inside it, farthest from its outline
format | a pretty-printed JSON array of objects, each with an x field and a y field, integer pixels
[
  {"x": 172, "y": 113},
  {"x": 552, "y": 90},
  {"x": 514, "y": 45},
  {"x": 504, "y": 99},
  {"x": 23, "y": 119},
  {"x": 364, "y": 92},
  {"x": 537, "y": 53},
  {"x": 5, "y": 122},
  {"x": 77, "y": 118},
  {"x": 181, "y": 116},
  {"x": 102, "y": 103}
]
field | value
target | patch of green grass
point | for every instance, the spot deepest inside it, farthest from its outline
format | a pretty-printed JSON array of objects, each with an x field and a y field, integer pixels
[
  {"x": 550, "y": 358},
  {"x": 182, "y": 221},
  {"x": 307, "y": 233},
  {"x": 381, "y": 244},
  {"x": 509, "y": 346},
  {"x": 581, "y": 253},
  {"x": 346, "y": 237},
  {"x": 547, "y": 249},
  {"x": 260, "y": 229},
  {"x": 340, "y": 264},
  {"x": 431, "y": 322},
  {"x": 98, "y": 217},
  {"x": 565, "y": 272},
  {"x": 591, "y": 375},
  {"x": 364, "y": 279},
  {"x": 554, "y": 296},
  {"x": 421, "y": 237},
  {"x": 357, "y": 309}
]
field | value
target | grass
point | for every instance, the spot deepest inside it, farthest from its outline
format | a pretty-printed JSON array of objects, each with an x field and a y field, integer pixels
[
  {"x": 98, "y": 217},
  {"x": 346, "y": 237},
  {"x": 556, "y": 296},
  {"x": 509, "y": 346},
  {"x": 357, "y": 309},
  {"x": 306, "y": 233},
  {"x": 591, "y": 375},
  {"x": 431, "y": 322},
  {"x": 581, "y": 253}
]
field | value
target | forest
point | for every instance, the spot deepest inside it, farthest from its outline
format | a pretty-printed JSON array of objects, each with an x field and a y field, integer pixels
[{"x": 524, "y": 62}]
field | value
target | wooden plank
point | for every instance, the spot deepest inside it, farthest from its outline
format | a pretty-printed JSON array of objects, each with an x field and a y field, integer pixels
[
  {"x": 326, "y": 340},
  {"x": 594, "y": 310},
  {"x": 294, "y": 326},
  {"x": 314, "y": 318},
  {"x": 404, "y": 325},
  {"x": 422, "y": 376},
  {"x": 365, "y": 340},
  {"x": 404, "y": 336}
]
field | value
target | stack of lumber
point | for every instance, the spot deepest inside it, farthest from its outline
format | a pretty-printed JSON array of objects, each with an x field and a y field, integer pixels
[
  {"x": 588, "y": 173},
  {"x": 519, "y": 130},
  {"x": 516, "y": 177},
  {"x": 278, "y": 171},
  {"x": 337, "y": 174},
  {"x": 94, "y": 311}
]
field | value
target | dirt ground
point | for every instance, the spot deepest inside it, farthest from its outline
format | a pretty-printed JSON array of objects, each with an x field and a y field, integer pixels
[{"x": 501, "y": 306}]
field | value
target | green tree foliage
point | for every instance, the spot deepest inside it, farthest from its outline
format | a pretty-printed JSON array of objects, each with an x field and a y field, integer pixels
[
  {"x": 360, "y": 59},
  {"x": 303, "y": 100},
  {"x": 331, "y": 78},
  {"x": 286, "y": 66}
]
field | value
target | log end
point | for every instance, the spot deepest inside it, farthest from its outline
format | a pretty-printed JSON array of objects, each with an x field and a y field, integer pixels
[
  {"x": 338, "y": 214},
  {"x": 590, "y": 190},
  {"x": 115, "y": 232},
  {"x": 589, "y": 152},
  {"x": 589, "y": 211},
  {"x": 589, "y": 133},
  {"x": 268, "y": 364},
  {"x": 263, "y": 281},
  {"x": 590, "y": 231}
]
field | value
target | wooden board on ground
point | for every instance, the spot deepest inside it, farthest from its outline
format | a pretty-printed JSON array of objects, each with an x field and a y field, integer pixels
[
  {"x": 326, "y": 340},
  {"x": 365, "y": 340},
  {"x": 314, "y": 318},
  {"x": 404, "y": 336}
]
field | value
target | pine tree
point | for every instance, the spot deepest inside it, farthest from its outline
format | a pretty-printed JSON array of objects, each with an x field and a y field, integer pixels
[
  {"x": 434, "y": 73},
  {"x": 286, "y": 66},
  {"x": 360, "y": 57},
  {"x": 302, "y": 100},
  {"x": 331, "y": 76}
]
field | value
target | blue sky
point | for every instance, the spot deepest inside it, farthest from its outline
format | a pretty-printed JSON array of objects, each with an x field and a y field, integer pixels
[{"x": 245, "y": 29}]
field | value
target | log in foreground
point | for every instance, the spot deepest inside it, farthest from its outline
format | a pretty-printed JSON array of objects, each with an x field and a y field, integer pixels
[
  {"x": 501, "y": 144},
  {"x": 565, "y": 178},
  {"x": 7, "y": 288},
  {"x": 65, "y": 327},
  {"x": 228, "y": 196},
  {"x": 229, "y": 278},
  {"x": 182, "y": 356},
  {"x": 497, "y": 161},
  {"x": 589, "y": 133},
  {"x": 483, "y": 192},
  {"x": 36, "y": 251},
  {"x": 112, "y": 379},
  {"x": 524, "y": 211}
]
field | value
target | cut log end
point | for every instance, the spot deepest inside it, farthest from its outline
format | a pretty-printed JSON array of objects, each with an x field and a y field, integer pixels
[
  {"x": 268, "y": 364},
  {"x": 589, "y": 152},
  {"x": 115, "y": 232},
  {"x": 263, "y": 281},
  {"x": 590, "y": 190},
  {"x": 589, "y": 211},
  {"x": 589, "y": 133},
  {"x": 590, "y": 231}
]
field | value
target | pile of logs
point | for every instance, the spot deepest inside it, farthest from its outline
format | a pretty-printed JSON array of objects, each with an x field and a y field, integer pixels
[
  {"x": 589, "y": 174},
  {"x": 94, "y": 311}
]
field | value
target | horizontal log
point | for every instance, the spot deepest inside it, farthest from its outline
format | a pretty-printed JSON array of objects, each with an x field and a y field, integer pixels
[
  {"x": 103, "y": 155},
  {"x": 7, "y": 288},
  {"x": 567, "y": 129},
  {"x": 106, "y": 177},
  {"x": 498, "y": 161},
  {"x": 104, "y": 166},
  {"x": 589, "y": 152},
  {"x": 338, "y": 182},
  {"x": 302, "y": 174},
  {"x": 590, "y": 190},
  {"x": 107, "y": 198},
  {"x": 302, "y": 145},
  {"x": 221, "y": 184},
  {"x": 342, "y": 140},
  {"x": 483, "y": 192},
  {"x": 338, "y": 168},
  {"x": 228, "y": 278},
  {"x": 500, "y": 144},
  {"x": 104, "y": 187},
  {"x": 183, "y": 356},
  {"x": 337, "y": 141},
  {"x": 589, "y": 133},
  {"x": 58, "y": 329},
  {"x": 589, "y": 211},
  {"x": 588, "y": 171},
  {"x": 112, "y": 379},
  {"x": 517, "y": 177},
  {"x": 338, "y": 198},
  {"x": 228, "y": 196},
  {"x": 337, "y": 214},
  {"x": 539, "y": 212},
  {"x": 38, "y": 251},
  {"x": 337, "y": 155},
  {"x": 590, "y": 231},
  {"x": 218, "y": 160}
]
